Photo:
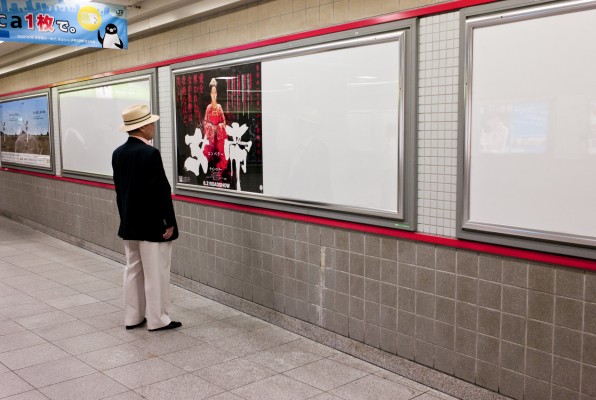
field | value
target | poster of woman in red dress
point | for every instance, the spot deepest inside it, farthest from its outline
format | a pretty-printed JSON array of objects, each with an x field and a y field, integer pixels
[
  {"x": 218, "y": 128},
  {"x": 214, "y": 131}
]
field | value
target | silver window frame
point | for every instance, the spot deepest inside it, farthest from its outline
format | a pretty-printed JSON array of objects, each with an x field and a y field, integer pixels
[
  {"x": 549, "y": 241},
  {"x": 406, "y": 33}
]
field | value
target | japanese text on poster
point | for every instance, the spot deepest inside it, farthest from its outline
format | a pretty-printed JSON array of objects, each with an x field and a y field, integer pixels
[
  {"x": 59, "y": 23},
  {"x": 218, "y": 128}
]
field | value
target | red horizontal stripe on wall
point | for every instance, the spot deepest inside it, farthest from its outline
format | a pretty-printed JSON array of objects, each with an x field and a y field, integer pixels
[{"x": 503, "y": 251}]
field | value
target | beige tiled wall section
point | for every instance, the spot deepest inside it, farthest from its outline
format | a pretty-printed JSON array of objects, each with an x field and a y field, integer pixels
[
  {"x": 525, "y": 330},
  {"x": 262, "y": 20}
]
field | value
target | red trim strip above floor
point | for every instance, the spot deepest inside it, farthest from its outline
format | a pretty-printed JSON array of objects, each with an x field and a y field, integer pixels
[
  {"x": 503, "y": 251},
  {"x": 59, "y": 178}
]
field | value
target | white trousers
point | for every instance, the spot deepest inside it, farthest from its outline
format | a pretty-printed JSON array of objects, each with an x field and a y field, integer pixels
[{"x": 147, "y": 283}]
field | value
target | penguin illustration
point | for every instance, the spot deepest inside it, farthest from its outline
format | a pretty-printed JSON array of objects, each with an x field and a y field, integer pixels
[{"x": 110, "y": 40}]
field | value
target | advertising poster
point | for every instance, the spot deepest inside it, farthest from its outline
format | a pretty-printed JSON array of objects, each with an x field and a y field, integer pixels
[
  {"x": 218, "y": 128},
  {"x": 65, "y": 23},
  {"x": 25, "y": 132}
]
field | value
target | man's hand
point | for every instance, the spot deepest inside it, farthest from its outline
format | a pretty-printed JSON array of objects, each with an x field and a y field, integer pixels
[{"x": 168, "y": 233}]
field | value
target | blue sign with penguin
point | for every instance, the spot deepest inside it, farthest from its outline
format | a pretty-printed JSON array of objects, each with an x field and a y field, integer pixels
[{"x": 65, "y": 23}]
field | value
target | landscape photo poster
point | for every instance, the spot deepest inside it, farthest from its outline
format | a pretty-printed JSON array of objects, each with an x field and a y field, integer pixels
[
  {"x": 25, "y": 132},
  {"x": 218, "y": 128}
]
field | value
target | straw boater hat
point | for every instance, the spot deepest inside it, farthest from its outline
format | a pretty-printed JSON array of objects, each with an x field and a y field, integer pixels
[{"x": 136, "y": 116}]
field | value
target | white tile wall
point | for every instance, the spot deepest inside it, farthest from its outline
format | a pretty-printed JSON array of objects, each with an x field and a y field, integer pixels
[
  {"x": 165, "y": 122},
  {"x": 437, "y": 124}
]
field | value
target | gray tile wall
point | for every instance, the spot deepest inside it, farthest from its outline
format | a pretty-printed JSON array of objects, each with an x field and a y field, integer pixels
[
  {"x": 80, "y": 211},
  {"x": 525, "y": 330}
]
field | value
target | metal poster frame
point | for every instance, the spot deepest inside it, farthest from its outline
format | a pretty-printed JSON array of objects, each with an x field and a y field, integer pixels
[
  {"x": 403, "y": 31},
  {"x": 149, "y": 75},
  {"x": 24, "y": 165},
  {"x": 517, "y": 236}
]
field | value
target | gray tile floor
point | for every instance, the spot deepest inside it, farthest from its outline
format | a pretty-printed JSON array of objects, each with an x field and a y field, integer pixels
[{"x": 62, "y": 337}]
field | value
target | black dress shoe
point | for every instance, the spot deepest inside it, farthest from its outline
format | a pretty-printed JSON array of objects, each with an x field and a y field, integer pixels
[
  {"x": 171, "y": 325},
  {"x": 137, "y": 325}
]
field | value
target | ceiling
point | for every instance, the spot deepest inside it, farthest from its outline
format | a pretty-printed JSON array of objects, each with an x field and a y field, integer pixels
[{"x": 143, "y": 16}]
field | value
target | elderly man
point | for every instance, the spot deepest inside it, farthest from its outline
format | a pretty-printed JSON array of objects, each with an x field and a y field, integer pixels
[{"x": 147, "y": 222}]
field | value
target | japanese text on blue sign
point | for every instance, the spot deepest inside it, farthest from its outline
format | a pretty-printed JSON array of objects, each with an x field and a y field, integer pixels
[{"x": 88, "y": 25}]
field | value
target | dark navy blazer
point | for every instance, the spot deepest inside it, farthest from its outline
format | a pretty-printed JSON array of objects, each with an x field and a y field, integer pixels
[{"x": 143, "y": 193}]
